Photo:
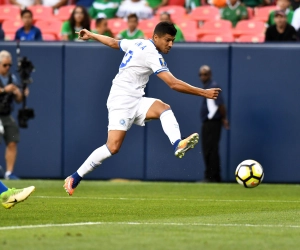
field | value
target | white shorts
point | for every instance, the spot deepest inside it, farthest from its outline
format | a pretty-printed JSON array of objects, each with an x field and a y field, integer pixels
[{"x": 125, "y": 111}]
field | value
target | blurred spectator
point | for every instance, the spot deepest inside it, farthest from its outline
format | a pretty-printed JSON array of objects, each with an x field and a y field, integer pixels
[
  {"x": 256, "y": 3},
  {"x": 55, "y": 4},
  {"x": 166, "y": 17},
  {"x": 296, "y": 21},
  {"x": 85, "y": 3},
  {"x": 104, "y": 8},
  {"x": 101, "y": 27},
  {"x": 138, "y": 7},
  {"x": 192, "y": 4},
  {"x": 24, "y": 3},
  {"x": 213, "y": 115},
  {"x": 295, "y": 4},
  {"x": 234, "y": 12},
  {"x": 2, "y": 35},
  {"x": 78, "y": 20},
  {"x": 283, "y": 5},
  {"x": 155, "y": 4},
  {"x": 28, "y": 32},
  {"x": 132, "y": 32},
  {"x": 281, "y": 31}
]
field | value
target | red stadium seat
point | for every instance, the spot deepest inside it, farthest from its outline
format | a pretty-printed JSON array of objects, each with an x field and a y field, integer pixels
[
  {"x": 50, "y": 26},
  {"x": 41, "y": 12},
  {"x": 176, "y": 2},
  {"x": 49, "y": 37},
  {"x": 174, "y": 10},
  {"x": 9, "y": 36},
  {"x": 10, "y": 26},
  {"x": 65, "y": 12},
  {"x": 250, "y": 12},
  {"x": 9, "y": 12},
  {"x": 251, "y": 39},
  {"x": 189, "y": 29},
  {"x": 147, "y": 26},
  {"x": 225, "y": 38},
  {"x": 116, "y": 25},
  {"x": 262, "y": 13},
  {"x": 249, "y": 27},
  {"x": 215, "y": 28},
  {"x": 93, "y": 24},
  {"x": 205, "y": 13}
]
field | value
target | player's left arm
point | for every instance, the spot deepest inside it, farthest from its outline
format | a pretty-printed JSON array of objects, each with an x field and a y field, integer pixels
[
  {"x": 186, "y": 88},
  {"x": 108, "y": 41}
]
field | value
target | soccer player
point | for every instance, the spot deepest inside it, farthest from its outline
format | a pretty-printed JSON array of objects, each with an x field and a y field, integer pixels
[
  {"x": 126, "y": 104},
  {"x": 11, "y": 196}
]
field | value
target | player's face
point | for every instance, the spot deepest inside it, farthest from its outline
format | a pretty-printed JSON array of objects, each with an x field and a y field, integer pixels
[
  {"x": 164, "y": 43},
  {"x": 5, "y": 65}
]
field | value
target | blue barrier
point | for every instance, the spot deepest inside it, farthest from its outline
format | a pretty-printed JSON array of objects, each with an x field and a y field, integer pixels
[{"x": 72, "y": 82}]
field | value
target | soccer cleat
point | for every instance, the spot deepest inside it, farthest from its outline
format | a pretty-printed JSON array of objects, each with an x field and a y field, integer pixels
[
  {"x": 69, "y": 185},
  {"x": 11, "y": 177},
  {"x": 13, "y": 196},
  {"x": 186, "y": 144}
]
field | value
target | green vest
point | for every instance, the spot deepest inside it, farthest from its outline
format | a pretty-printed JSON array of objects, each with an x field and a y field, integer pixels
[
  {"x": 104, "y": 8},
  {"x": 234, "y": 14}
]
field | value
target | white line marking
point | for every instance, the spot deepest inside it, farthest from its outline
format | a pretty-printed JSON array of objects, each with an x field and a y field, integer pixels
[
  {"x": 160, "y": 199},
  {"x": 144, "y": 223}
]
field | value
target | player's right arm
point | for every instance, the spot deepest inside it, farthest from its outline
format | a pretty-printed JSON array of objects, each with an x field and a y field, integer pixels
[
  {"x": 84, "y": 34},
  {"x": 186, "y": 88}
]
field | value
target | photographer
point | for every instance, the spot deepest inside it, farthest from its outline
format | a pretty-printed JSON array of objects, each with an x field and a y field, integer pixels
[{"x": 9, "y": 92}]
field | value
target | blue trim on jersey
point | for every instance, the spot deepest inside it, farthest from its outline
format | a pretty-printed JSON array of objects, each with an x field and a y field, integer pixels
[
  {"x": 151, "y": 41},
  {"x": 160, "y": 70},
  {"x": 120, "y": 45}
]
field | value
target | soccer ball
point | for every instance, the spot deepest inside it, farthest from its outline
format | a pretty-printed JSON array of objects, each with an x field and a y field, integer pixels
[{"x": 249, "y": 173}]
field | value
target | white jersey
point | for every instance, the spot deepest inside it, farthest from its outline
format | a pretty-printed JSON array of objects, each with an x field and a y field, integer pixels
[{"x": 140, "y": 61}]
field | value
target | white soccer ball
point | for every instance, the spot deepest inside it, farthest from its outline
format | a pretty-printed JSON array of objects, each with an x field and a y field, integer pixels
[{"x": 249, "y": 173}]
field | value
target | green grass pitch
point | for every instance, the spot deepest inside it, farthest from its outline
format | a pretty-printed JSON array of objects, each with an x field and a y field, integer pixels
[{"x": 153, "y": 215}]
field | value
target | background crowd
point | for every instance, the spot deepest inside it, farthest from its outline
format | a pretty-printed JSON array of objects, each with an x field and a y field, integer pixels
[{"x": 195, "y": 20}]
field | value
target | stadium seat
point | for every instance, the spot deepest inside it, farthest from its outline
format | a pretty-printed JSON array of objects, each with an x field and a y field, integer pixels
[
  {"x": 250, "y": 12},
  {"x": 174, "y": 10},
  {"x": 116, "y": 25},
  {"x": 9, "y": 36},
  {"x": 49, "y": 37},
  {"x": 9, "y": 26},
  {"x": 50, "y": 26},
  {"x": 262, "y": 13},
  {"x": 215, "y": 28},
  {"x": 176, "y": 2},
  {"x": 249, "y": 27},
  {"x": 65, "y": 12},
  {"x": 41, "y": 12},
  {"x": 189, "y": 29},
  {"x": 147, "y": 26},
  {"x": 93, "y": 24},
  {"x": 205, "y": 13},
  {"x": 9, "y": 12},
  {"x": 251, "y": 39},
  {"x": 224, "y": 38}
]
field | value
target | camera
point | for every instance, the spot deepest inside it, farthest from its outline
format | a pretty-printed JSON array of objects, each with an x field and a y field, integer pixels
[{"x": 25, "y": 68}]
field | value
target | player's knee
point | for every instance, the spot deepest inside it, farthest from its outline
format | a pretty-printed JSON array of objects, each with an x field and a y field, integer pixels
[
  {"x": 113, "y": 148},
  {"x": 165, "y": 106}
]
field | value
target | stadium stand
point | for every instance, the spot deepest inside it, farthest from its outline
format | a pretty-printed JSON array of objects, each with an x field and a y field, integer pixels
[
  {"x": 205, "y": 13},
  {"x": 176, "y": 12},
  {"x": 10, "y": 26},
  {"x": 262, "y": 13},
  {"x": 40, "y": 12},
  {"x": 65, "y": 12},
  {"x": 49, "y": 37},
  {"x": 225, "y": 38},
  {"x": 9, "y": 36},
  {"x": 176, "y": 2},
  {"x": 189, "y": 29},
  {"x": 116, "y": 25},
  {"x": 147, "y": 26},
  {"x": 219, "y": 27},
  {"x": 251, "y": 39},
  {"x": 249, "y": 27},
  {"x": 50, "y": 27},
  {"x": 9, "y": 12},
  {"x": 250, "y": 12}
]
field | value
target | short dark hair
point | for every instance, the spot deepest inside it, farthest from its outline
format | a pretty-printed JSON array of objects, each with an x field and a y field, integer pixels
[
  {"x": 99, "y": 20},
  {"x": 25, "y": 11},
  {"x": 166, "y": 13},
  {"x": 165, "y": 28},
  {"x": 133, "y": 16}
]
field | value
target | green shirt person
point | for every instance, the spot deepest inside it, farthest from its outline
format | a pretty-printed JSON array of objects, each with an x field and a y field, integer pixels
[
  {"x": 155, "y": 4},
  {"x": 104, "y": 8},
  {"x": 165, "y": 17},
  {"x": 79, "y": 19},
  {"x": 234, "y": 12},
  {"x": 132, "y": 32},
  {"x": 252, "y": 3},
  {"x": 102, "y": 28},
  {"x": 283, "y": 5}
]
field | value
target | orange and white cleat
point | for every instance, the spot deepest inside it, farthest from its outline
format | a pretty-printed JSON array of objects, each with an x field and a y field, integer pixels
[
  {"x": 69, "y": 185},
  {"x": 186, "y": 144}
]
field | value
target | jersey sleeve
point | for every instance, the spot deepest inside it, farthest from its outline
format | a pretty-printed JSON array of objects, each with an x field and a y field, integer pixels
[
  {"x": 124, "y": 44},
  {"x": 156, "y": 62}
]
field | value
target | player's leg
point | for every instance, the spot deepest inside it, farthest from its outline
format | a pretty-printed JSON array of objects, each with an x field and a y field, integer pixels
[
  {"x": 114, "y": 142},
  {"x": 162, "y": 111},
  {"x": 10, "y": 197}
]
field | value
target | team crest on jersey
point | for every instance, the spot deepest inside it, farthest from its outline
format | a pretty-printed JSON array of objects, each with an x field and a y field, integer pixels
[
  {"x": 122, "y": 122},
  {"x": 162, "y": 62}
]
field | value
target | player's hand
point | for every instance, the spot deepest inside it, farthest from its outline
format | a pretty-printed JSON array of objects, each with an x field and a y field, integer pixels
[
  {"x": 84, "y": 34},
  {"x": 212, "y": 93}
]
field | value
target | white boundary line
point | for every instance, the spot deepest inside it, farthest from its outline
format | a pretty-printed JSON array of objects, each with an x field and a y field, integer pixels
[
  {"x": 158, "y": 199},
  {"x": 145, "y": 223}
]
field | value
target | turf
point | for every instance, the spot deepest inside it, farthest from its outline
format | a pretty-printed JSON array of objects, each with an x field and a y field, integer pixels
[{"x": 153, "y": 215}]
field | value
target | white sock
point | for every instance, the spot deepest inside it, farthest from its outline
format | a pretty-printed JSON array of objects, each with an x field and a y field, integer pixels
[
  {"x": 7, "y": 173},
  {"x": 170, "y": 125},
  {"x": 94, "y": 160}
]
